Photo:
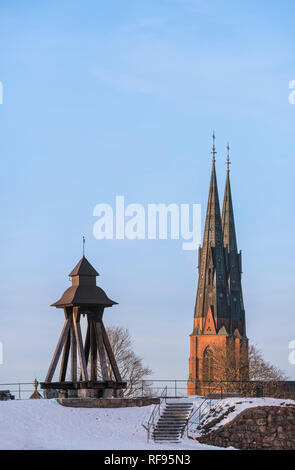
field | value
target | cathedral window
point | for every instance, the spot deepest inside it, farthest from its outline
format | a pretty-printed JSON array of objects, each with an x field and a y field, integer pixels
[{"x": 208, "y": 366}]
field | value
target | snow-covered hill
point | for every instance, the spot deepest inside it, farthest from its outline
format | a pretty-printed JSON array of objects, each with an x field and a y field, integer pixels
[
  {"x": 224, "y": 411},
  {"x": 44, "y": 424}
]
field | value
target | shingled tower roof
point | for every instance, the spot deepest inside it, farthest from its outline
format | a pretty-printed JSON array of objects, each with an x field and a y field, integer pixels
[
  {"x": 212, "y": 288},
  {"x": 83, "y": 268},
  {"x": 84, "y": 290}
]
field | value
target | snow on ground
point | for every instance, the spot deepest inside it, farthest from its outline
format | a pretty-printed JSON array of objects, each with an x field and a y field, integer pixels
[
  {"x": 225, "y": 410},
  {"x": 44, "y": 424}
]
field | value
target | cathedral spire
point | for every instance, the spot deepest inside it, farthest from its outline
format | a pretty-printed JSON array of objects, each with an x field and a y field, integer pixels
[
  {"x": 228, "y": 222},
  {"x": 233, "y": 258},
  {"x": 212, "y": 289},
  {"x": 218, "y": 343}
]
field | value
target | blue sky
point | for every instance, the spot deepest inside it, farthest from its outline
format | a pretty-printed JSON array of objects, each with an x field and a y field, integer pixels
[{"x": 120, "y": 98}]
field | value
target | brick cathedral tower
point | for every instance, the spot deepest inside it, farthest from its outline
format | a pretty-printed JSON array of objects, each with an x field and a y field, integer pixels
[{"x": 218, "y": 343}]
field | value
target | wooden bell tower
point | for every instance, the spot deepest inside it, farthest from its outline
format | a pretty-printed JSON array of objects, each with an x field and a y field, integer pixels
[{"x": 84, "y": 298}]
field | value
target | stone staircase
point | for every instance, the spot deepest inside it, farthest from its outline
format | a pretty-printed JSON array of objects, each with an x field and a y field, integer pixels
[{"x": 172, "y": 421}]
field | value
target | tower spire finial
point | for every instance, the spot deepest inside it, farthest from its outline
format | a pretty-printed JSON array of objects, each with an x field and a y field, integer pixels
[
  {"x": 213, "y": 153},
  {"x": 83, "y": 247},
  {"x": 228, "y": 162}
]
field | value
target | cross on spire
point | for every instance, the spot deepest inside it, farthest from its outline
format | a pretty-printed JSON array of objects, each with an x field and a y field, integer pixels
[
  {"x": 213, "y": 153},
  {"x": 228, "y": 162},
  {"x": 83, "y": 247}
]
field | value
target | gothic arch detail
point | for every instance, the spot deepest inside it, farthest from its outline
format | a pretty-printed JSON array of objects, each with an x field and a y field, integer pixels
[{"x": 208, "y": 364}]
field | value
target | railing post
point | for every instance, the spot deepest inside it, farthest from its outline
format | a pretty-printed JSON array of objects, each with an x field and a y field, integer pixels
[
  {"x": 19, "y": 391},
  {"x": 175, "y": 387}
]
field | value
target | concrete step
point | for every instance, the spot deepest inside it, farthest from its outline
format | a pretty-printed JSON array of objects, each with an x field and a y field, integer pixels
[
  {"x": 172, "y": 408},
  {"x": 172, "y": 419},
  {"x": 179, "y": 405},
  {"x": 174, "y": 415},
  {"x": 167, "y": 440},
  {"x": 170, "y": 427},
  {"x": 167, "y": 431},
  {"x": 176, "y": 411},
  {"x": 171, "y": 423}
]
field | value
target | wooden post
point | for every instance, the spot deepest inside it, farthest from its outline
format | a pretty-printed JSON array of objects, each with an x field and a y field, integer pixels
[
  {"x": 76, "y": 317},
  {"x": 65, "y": 358},
  {"x": 87, "y": 345},
  {"x": 66, "y": 350},
  {"x": 93, "y": 357},
  {"x": 73, "y": 354},
  {"x": 110, "y": 354},
  {"x": 101, "y": 351},
  {"x": 57, "y": 352}
]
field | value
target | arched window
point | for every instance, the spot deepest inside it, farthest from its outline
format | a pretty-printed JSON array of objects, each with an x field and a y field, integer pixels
[{"x": 208, "y": 366}]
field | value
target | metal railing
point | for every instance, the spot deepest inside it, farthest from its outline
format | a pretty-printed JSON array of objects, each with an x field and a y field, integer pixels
[
  {"x": 20, "y": 390},
  {"x": 246, "y": 388},
  {"x": 178, "y": 388},
  {"x": 152, "y": 421},
  {"x": 144, "y": 388},
  {"x": 200, "y": 411},
  {"x": 175, "y": 388}
]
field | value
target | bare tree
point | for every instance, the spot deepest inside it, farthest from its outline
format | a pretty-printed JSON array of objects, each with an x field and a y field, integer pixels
[
  {"x": 259, "y": 369},
  {"x": 221, "y": 362},
  {"x": 130, "y": 365},
  {"x": 246, "y": 373}
]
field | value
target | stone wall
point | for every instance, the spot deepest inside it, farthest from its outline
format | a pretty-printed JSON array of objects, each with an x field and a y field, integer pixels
[
  {"x": 107, "y": 402},
  {"x": 267, "y": 427}
]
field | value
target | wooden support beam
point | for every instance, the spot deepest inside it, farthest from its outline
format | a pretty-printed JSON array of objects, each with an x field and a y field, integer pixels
[
  {"x": 76, "y": 318},
  {"x": 101, "y": 351},
  {"x": 110, "y": 353},
  {"x": 93, "y": 356},
  {"x": 57, "y": 352},
  {"x": 87, "y": 342},
  {"x": 73, "y": 354},
  {"x": 87, "y": 345},
  {"x": 65, "y": 358}
]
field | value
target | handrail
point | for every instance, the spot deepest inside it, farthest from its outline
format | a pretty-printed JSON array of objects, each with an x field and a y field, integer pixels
[
  {"x": 189, "y": 419},
  {"x": 151, "y": 421}
]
